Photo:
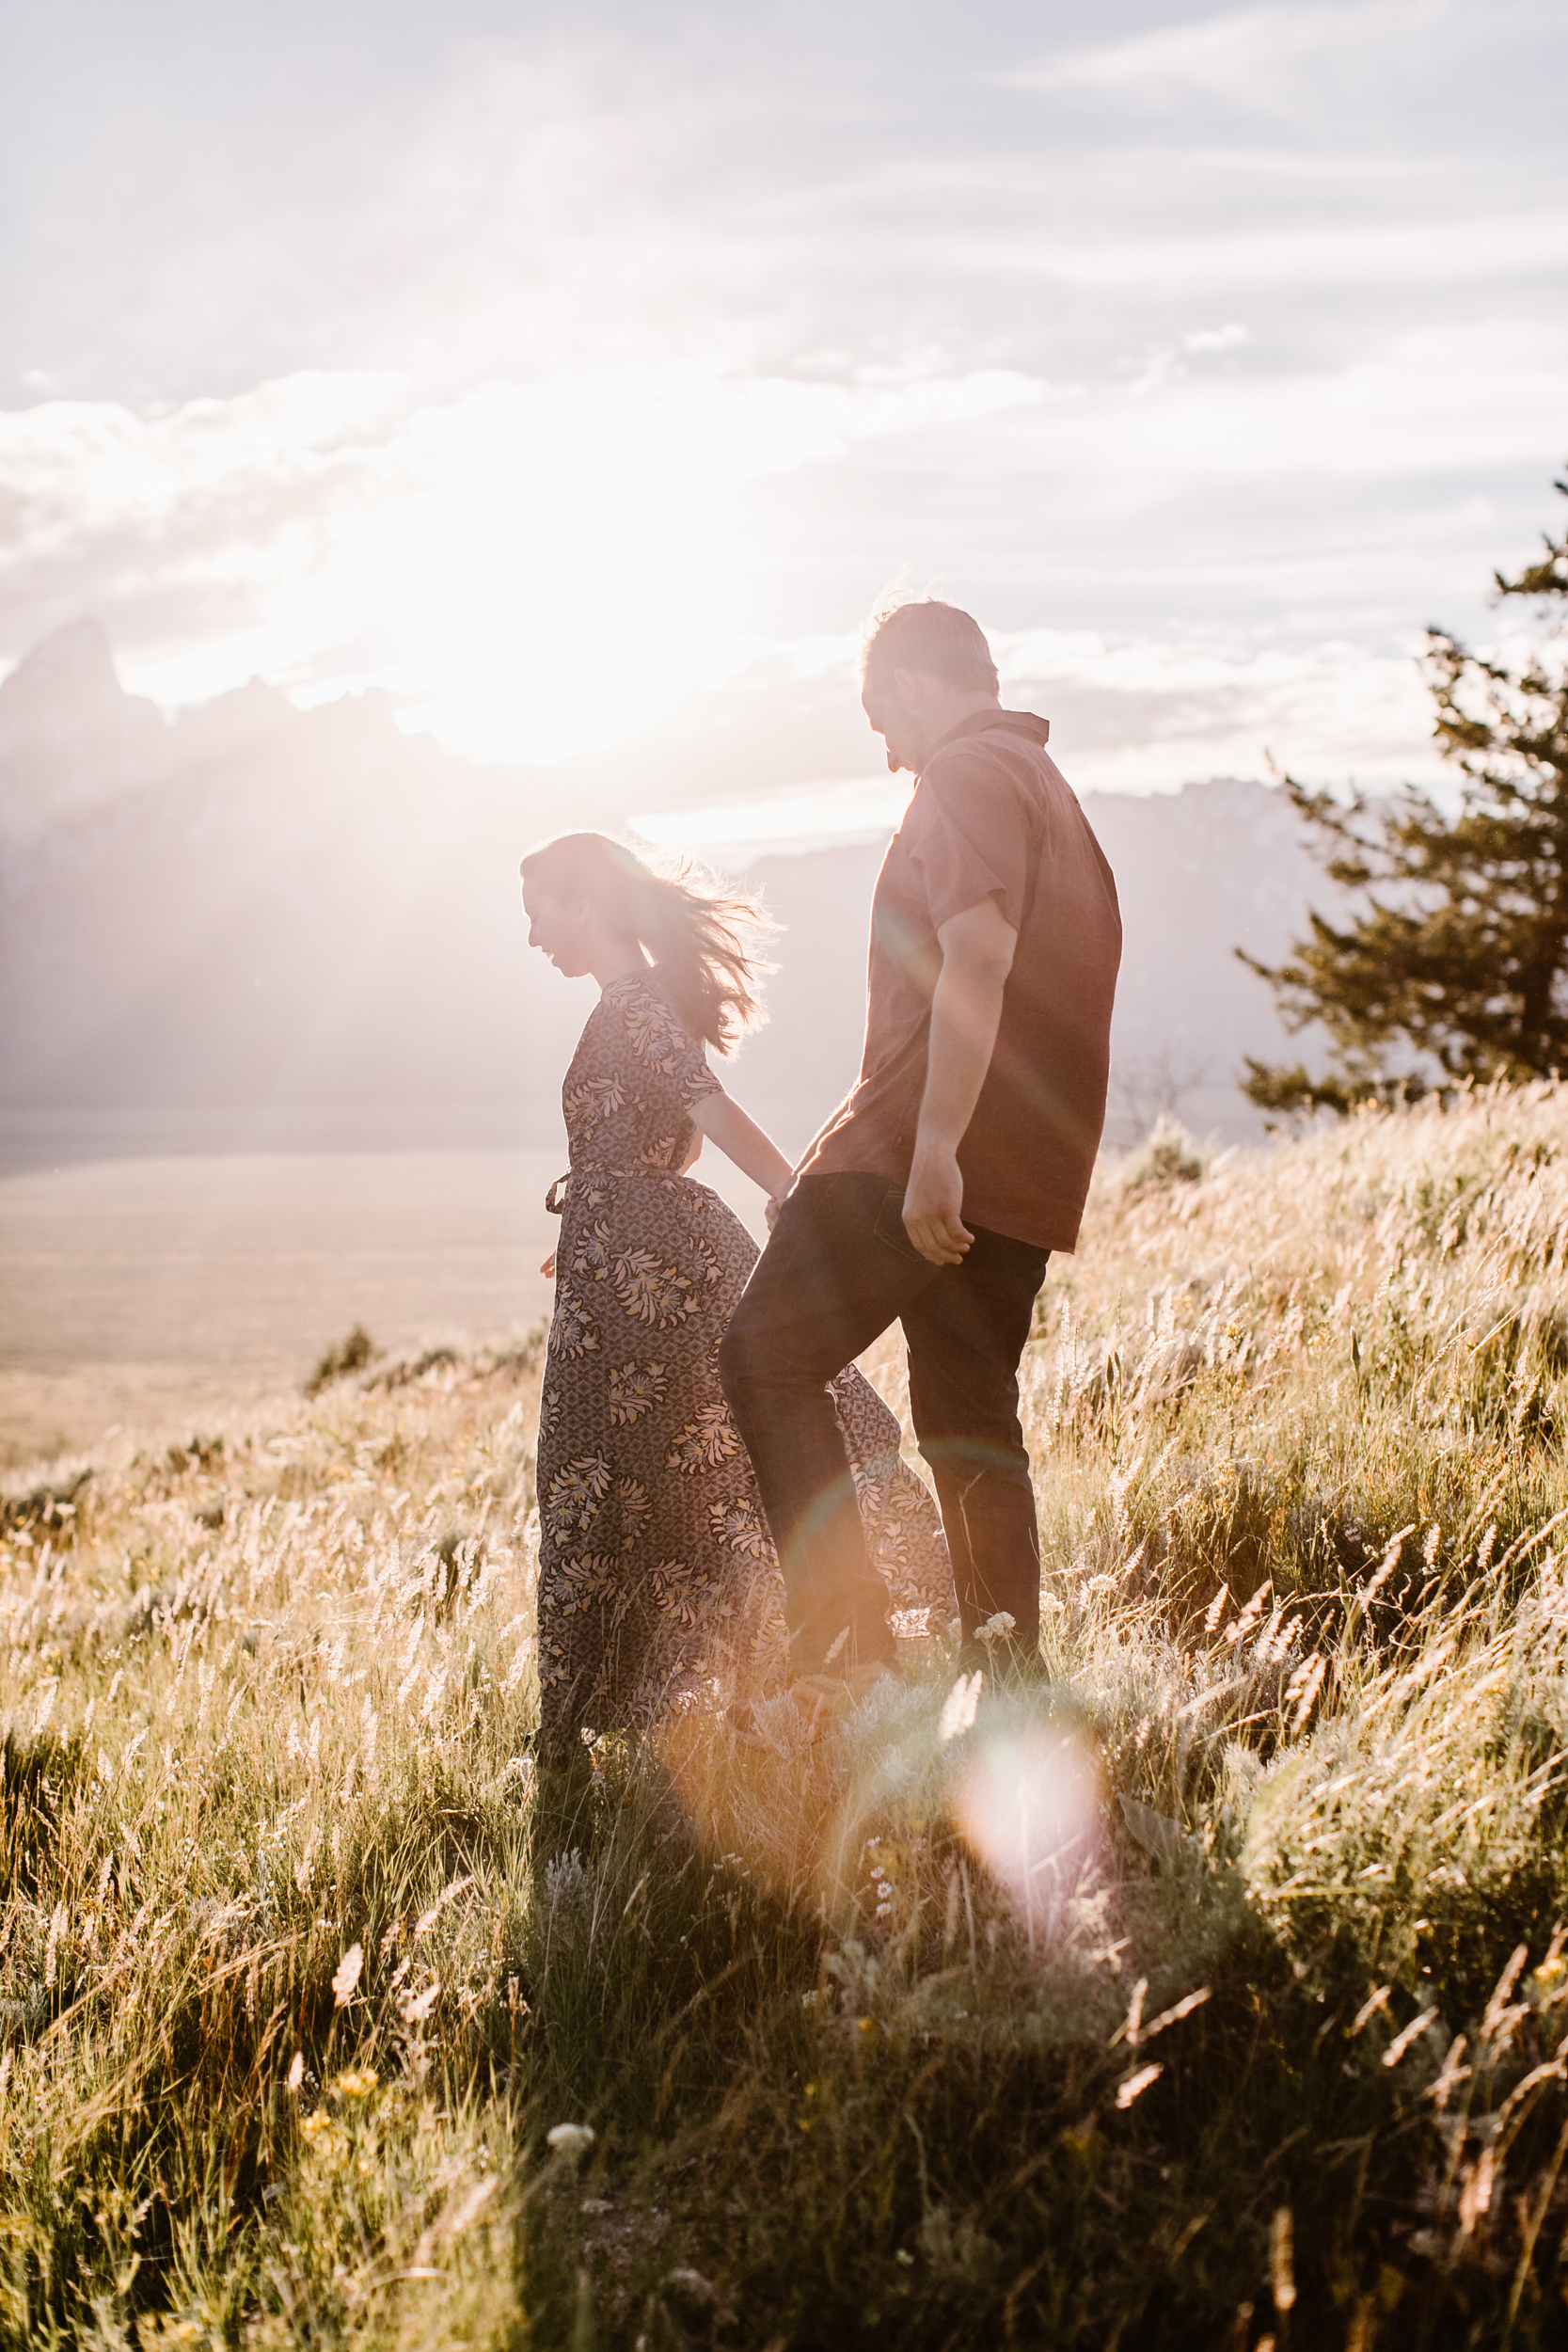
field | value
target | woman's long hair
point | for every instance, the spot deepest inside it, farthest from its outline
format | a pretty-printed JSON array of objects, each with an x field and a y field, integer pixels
[{"x": 687, "y": 927}]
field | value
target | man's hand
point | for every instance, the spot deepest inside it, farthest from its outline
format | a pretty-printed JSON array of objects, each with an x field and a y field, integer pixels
[{"x": 933, "y": 1203}]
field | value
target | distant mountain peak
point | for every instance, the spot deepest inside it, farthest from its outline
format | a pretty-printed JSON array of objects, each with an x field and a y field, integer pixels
[
  {"x": 71, "y": 672},
  {"x": 70, "y": 734}
]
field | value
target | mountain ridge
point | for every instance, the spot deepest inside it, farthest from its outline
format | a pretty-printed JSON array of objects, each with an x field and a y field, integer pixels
[{"x": 254, "y": 905}]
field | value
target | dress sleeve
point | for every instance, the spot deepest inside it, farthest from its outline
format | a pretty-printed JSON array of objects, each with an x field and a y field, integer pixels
[
  {"x": 974, "y": 843},
  {"x": 662, "y": 1042}
]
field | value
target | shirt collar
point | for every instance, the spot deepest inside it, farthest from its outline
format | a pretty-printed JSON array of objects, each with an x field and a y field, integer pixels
[{"x": 979, "y": 721}]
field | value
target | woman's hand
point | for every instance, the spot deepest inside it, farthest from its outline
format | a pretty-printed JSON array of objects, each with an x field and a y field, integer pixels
[
  {"x": 548, "y": 1267},
  {"x": 775, "y": 1203}
]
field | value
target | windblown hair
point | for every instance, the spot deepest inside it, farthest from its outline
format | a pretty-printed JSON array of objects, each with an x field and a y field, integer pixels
[
  {"x": 690, "y": 930},
  {"x": 926, "y": 635}
]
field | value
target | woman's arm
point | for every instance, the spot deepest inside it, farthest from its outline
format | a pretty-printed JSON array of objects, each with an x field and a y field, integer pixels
[{"x": 740, "y": 1139}]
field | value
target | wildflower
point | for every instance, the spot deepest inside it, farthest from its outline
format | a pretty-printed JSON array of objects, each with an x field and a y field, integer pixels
[
  {"x": 1282, "y": 2278},
  {"x": 449, "y": 1894},
  {"x": 1452, "y": 2074},
  {"x": 296, "y": 2070},
  {"x": 357, "y": 2083},
  {"x": 1475, "y": 2191},
  {"x": 958, "y": 1707},
  {"x": 1134, "y": 2086},
  {"x": 1370, "y": 2008},
  {"x": 348, "y": 1975},
  {"x": 56, "y": 1927},
  {"x": 570, "y": 2139},
  {"x": 998, "y": 1628},
  {"x": 1402, "y": 2041},
  {"x": 417, "y": 2011},
  {"x": 1303, "y": 1689}
]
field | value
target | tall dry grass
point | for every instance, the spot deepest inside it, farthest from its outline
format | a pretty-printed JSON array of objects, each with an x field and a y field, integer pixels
[{"x": 1215, "y": 1993}]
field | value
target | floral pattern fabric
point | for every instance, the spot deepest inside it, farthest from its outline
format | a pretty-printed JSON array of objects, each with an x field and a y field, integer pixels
[{"x": 655, "y": 1569}]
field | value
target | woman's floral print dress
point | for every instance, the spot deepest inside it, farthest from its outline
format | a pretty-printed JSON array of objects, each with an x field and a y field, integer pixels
[{"x": 655, "y": 1569}]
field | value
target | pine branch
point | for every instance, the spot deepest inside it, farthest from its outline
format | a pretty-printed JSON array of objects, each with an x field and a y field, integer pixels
[{"x": 1454, "y": 958}]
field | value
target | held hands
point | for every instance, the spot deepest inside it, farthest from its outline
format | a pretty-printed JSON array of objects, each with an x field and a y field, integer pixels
[{"x": 933, "y": 1202}]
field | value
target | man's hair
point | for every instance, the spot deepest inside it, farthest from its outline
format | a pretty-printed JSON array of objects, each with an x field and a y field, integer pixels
[{"x": 931, "y": 637}]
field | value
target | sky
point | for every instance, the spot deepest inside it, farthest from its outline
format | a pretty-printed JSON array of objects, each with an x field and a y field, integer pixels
[{"x": 581, "y": 377}]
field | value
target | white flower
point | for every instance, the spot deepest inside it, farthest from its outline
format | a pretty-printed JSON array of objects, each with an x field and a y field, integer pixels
[
  {"x": 997, "y": 1628},
  {"x": 570, "y": 2139}
]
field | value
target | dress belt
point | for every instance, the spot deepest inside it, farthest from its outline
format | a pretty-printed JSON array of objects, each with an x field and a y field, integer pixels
[{"x": 555, "y": 1199}]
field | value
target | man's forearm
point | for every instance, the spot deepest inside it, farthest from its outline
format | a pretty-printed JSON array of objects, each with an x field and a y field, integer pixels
[{"x": 966, "y": 1011}]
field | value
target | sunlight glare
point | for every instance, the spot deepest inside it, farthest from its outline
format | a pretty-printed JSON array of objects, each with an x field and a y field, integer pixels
[
  {"x": 549, "y": 576},
  {"x": 1029, "y": 1804}
]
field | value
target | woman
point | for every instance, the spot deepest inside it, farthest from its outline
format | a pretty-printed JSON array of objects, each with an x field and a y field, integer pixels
[{"x": 655, "y": 1563}]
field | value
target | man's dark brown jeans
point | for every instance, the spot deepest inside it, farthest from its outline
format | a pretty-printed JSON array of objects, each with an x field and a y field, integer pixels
[{"x": 839, "y": 1268}]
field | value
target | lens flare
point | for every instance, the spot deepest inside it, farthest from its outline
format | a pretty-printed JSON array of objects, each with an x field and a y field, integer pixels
[{"x": 1028, "y": 1803}]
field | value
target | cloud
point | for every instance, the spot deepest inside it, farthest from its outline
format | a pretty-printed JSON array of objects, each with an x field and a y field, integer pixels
[
  {"x": 533, "y": 569},
  {"x": 1250, "y": 58},
  {"x": 778, "y": 186},
  {"x": 1139, "y": 714},
  {"x": 1215, "y": 338},
  {"x": 541, "y": 568},
  {"x": 581, "y": 388},
  {"x": 1152, "y": 714}
]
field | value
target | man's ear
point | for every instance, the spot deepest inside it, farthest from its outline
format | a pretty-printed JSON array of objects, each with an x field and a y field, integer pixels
[{"x": 910, "y": 686}]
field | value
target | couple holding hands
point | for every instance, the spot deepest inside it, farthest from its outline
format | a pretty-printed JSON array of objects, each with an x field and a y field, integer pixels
[{"x": 707, "y": 1447}]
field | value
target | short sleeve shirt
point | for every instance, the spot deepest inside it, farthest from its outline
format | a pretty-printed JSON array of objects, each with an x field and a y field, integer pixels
[{"x": 992, "y": 816}]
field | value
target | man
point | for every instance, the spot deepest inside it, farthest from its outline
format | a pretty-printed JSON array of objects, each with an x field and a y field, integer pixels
[{"x": 937, "y": 1192}]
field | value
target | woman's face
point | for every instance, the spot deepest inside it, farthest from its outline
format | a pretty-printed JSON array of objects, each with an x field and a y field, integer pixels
[{"x": 558, "y": 927}]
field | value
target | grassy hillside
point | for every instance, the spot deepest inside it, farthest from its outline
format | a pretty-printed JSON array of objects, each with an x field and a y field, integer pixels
[{"x": 1216, "y": 1995}]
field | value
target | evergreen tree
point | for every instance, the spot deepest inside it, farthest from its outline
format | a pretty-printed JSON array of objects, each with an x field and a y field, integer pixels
[{"x": 1455, "y": 965}]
